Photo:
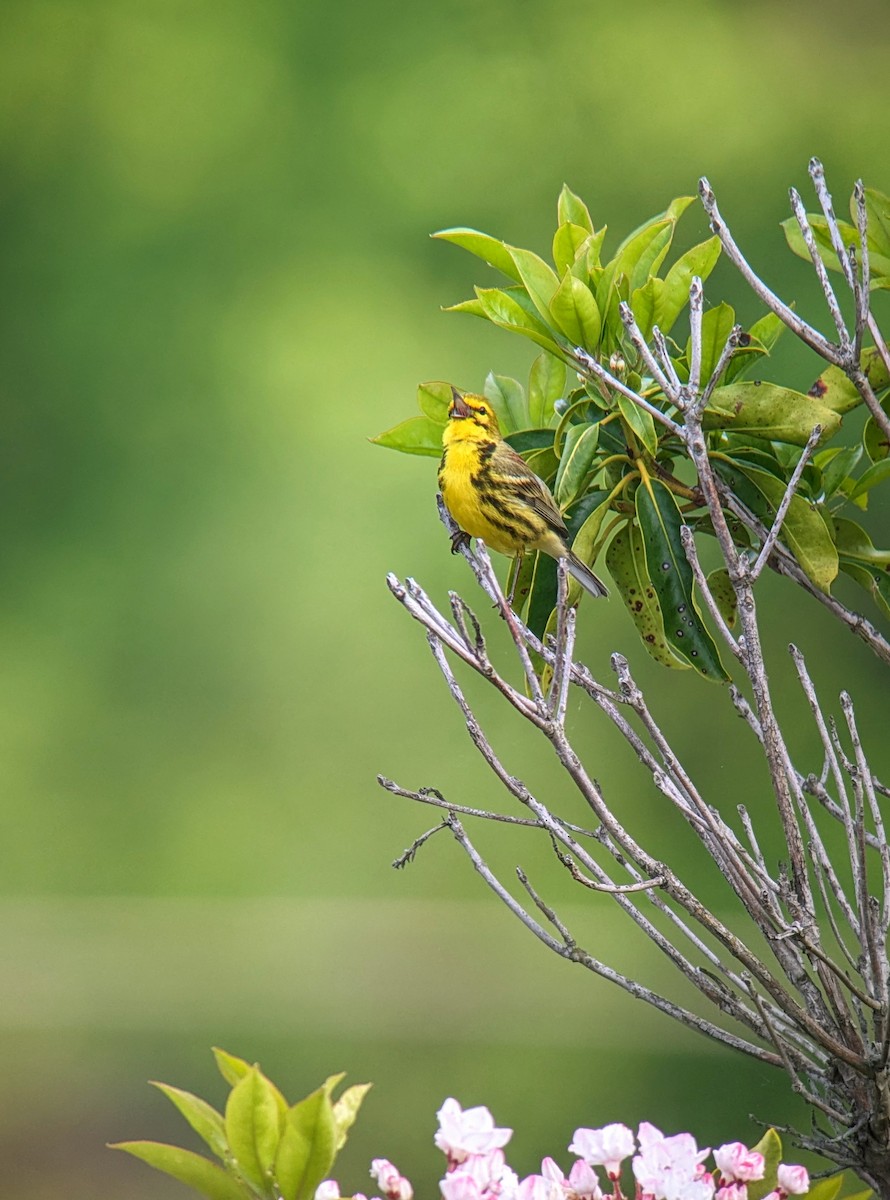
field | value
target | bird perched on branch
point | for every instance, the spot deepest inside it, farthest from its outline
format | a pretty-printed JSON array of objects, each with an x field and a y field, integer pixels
[{"x": 491, "y": 493}]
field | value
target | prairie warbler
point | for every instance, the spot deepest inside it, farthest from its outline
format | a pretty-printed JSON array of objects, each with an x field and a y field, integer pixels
[{"x": 491, "y": 493}]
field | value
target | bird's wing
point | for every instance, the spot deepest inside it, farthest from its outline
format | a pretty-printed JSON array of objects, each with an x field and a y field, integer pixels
[{"x": 528, "y": 487}]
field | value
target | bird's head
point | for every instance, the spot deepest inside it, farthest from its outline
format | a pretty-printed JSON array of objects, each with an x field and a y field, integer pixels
[{"x": 470, "y": 417}]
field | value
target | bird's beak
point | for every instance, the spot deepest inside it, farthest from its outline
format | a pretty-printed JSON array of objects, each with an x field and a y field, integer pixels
[{"x": 459, "y": 407}]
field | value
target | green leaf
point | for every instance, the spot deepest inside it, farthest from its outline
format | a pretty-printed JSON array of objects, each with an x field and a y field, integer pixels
[
  {"x": 546, "y": 385},
  {"x": 834, "y": 389},
  {"x": 473, "y": 307},
  {"x": 254, "y": 1125},
  {"x": 434, "y": 399},
  {"x": 578, "y": 453},
  {"x": 506, "y": 310},
  {"x": 853, "y": 542},
  {"x": 768, "y": 411},
  {"x": 870, "y": 478},
  {"x": 794, "y": 238},
  {"x": 638, "y": 256},
  {"x": 541, "y": 593},
  {"x": 572, "y": 209},
  {"x": 877, "y": 209},
  {"x": 724, "y": 595},
  {"x": 716, "y": 327},
  {"x": 762, "y": 336},
  {"x": 524, "y": 441},
  {"x": 308, "y": 1147},
  {"x": 489, "y": 249},
  {"x": 230, "y": 1066},
  {"x": 826, "y": 1189},
  {"x": 640, "y": 422},
  {"x": 203, "y": 1117},
  {"x": 874, "y": 439},
  {"x": 193, "y": 1170},
  {"x": 770, "y": 1146},
  {"x": 346, "y": 1110},
  {"x": 871, "y": 579},
  {"x": 584, "y": 521},
  {"x": 835, "y": 465},
  {"x": 574, "y": 310},
  {"x": 804, "y": 532},
  {"x": 417, "y": 435},
  {"x": 626, "y": 560},
  {"x": 570, "y": 242},
  {"x": 646, "y": 304},
  {"x": 700, "y": 260},
  {"x": 539, "y": 280},
  {"x": 507, "y": 398},
  {"x": 660, "y": 523}
]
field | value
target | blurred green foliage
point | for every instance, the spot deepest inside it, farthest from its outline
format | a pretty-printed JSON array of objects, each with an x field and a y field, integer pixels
[{"x": 218, "y": 283}]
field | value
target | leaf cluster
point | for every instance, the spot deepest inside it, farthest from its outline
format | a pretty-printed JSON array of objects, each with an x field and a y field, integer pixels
[
  {"x": 266, "y": 1148},
  {"x": 610, "y": 444}
]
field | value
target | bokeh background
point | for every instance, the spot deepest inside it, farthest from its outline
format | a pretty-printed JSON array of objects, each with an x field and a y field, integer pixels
[{"x": 218, "y": 284}]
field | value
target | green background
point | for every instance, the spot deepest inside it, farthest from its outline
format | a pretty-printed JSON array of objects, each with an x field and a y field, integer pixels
[{"x": 218, "y": 284}]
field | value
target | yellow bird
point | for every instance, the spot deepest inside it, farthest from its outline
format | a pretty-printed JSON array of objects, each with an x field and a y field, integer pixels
[{"x": 491, "y": 493}]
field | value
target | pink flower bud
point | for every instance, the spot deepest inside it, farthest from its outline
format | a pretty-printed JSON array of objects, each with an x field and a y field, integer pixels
[
  {"x": 583, "y": 1182},
  {"x": 736, "y": 1190},
  {"x": 393, "y": 1185},
  {"x": 793, "y": 1181},
  {"x": 328, "y": 1189},
  {"x": 736, "y": 1161}
]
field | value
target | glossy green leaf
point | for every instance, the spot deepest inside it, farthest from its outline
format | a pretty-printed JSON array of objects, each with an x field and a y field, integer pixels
[
  {"x": 308, "y": 1146},
  {"x": 716, "y": 326},
  {"x": 853, "y": 542},
  {"x": 346, "y": 1110},
  {"x": 417, "y": 435},
  {"x": 489, "y": 249},
  {"x": 660, "y": 522},
  {"x": 626, "y": 560},
  {"x": 871, "y": 579},
  {"x": 574, "y": 310},
  {"x": 836, "y": 465},
  {"x": 768, "y": 411},
  {"x": 870, "y": 478},
  {"x": 519, "y": 580},
  {"x": 203, "y": 1117},
  {"x": 474, "y": 307},
  {"x": 542, "y": 462},
  {"x": 507, "y": 398},
  {"x": 874, "y": 439},
  {"x": 724, "y": 595},
  {"x": 770, "y": 1146},
  {"x": 253, "y": 1125},
  {"x": 877, "y": 209},
  {"x": 640, "y": 423},
  {"x": 646, "y": 303},
  {"x": 546, "y": 385},
  {"x": 192, "y": 1169},
  {"x": 834, "y": 389},
  {"x": 762, "y": 337},
  {"x": 570, "y": 242},
  {"x": 583, "y": 533},
  {"x": 804, "y": 532},
  {"x": 541, "y": 593},
  {"x": 638, "y": 256},
  {"x": 538, "y": 279},
  {"x": 506, "y": 310},
  {"x": 571, "y": 208},
  {"x": 434, "y": 399},
  {"x": 826, "y": 1189},
  {"x": 700, "y": 260},
  {"x": 525, "y": 440},
  {"x": 230, "y": 1066},
  {"x": 794, "y": 238},
  {"x": 578, "y": 454}
]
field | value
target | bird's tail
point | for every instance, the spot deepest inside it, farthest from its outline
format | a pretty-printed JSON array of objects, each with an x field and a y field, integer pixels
[{"x": 585, "y": 576}]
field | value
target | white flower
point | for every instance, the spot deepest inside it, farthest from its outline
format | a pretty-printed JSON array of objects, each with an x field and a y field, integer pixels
[
  {"x": 468, "y": 1131},
  {"x": 606, "y": 1147},
  {"x": 794, "y": 1181}
]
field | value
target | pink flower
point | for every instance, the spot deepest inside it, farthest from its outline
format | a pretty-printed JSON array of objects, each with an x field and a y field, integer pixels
[
  {"x": 793, "y": 1181},
  {"x": 459, "y": 1185},
  {"x": 736, "y": 1161},
  {"x": 606, "y": 1147},
  {"x": 393, "y": 1185},
  {"x": 328, "y": 1189},
  {"x": 669, "y": 1168},
  {"x": 736, "y": 1190},
  {"x": 540, "y": 1187},
  {"x": 468, "y": 1131},
  {"x": 480, "y": 1177},
  {"x": 583, "y": 1182}
]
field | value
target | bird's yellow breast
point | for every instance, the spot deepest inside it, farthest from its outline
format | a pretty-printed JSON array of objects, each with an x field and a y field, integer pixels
[{"x": 473, "y": 503}]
